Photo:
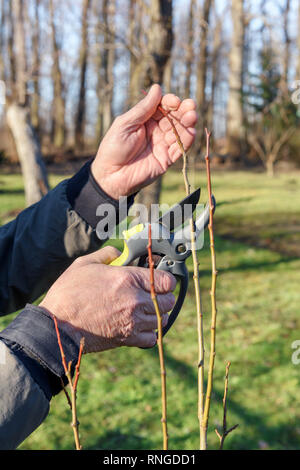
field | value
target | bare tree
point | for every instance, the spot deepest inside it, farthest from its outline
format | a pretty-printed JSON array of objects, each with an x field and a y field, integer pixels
[
  {"x": 18, "y": 118},
  {"x": 151, "y": 66},
  {"x": 287, "y": 45},
  {"x": 235, "y": 115},
  {"x": 98, "y": 60},
  {"x": 35, "y": 97},
  {"x": 190, "y": 55},
  {"x": 134, "y": 24},
  {"x": 215, "y": 68},
  {"x": 204, "y": 16},
  {"x": 298, "y": 44},
  {"x": 268, "y": 146},
  {"x": 11, "y": 80},
  {"x": 83, "y": 58},
  {"x": 2, "y": 23},
  {"x": 58, "y": 105},
  {"x": 109, "y": 11}
]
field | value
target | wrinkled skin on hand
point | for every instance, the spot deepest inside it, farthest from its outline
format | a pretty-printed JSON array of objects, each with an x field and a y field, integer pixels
[
  {"x": 110, "y": 306},
  {"x": 140, "y": 145}
]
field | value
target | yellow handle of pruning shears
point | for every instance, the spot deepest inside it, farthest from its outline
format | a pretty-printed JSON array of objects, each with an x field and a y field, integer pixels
[{"x": 124, "y": 256}]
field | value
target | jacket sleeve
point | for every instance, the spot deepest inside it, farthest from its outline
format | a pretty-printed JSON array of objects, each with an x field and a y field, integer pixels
[
  {"x": 45, "y": 238},
  {"x": 23, "y": 406},
  {"x": 31, "y": 372}
]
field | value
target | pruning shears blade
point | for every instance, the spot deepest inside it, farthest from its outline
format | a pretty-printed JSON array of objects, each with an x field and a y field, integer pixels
[{"x": 180, "y": 212}]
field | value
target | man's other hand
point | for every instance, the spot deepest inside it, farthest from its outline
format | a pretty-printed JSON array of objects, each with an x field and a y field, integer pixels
[{"x": 140, "y": 145}]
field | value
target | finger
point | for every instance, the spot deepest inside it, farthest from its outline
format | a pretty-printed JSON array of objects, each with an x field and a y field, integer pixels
[
  {"x": 163, "y": 282},
  {"x": 104, "y": 256},
  {"x": 149, "y": 322},
  {"x": 187, "y": 139},
  {"x": 188, "y": 121},
  {"x": 165, "y": 303},
  {"x": 185, "y": 106},
  {"x": 170, "y": 102},
  {"x": 143, "y": 110},
  {"x": 144, "y": 339},
  {"x": 146, "y": 322}
]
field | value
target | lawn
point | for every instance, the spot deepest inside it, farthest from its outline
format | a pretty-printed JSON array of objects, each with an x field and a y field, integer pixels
[{"x": 257, "y": 245}]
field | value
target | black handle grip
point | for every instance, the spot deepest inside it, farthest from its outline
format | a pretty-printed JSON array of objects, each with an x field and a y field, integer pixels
[{"x": 179, "y": 270}]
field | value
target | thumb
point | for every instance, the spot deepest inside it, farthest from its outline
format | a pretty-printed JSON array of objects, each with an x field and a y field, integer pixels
[
  {"x": 143, "y": 110},
  {"x": 103, "y": 256}
]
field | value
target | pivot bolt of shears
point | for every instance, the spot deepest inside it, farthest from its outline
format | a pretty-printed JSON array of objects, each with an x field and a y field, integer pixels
[
  {"x": 181, "y": 248},
  {"x": 170, "y": 262}
]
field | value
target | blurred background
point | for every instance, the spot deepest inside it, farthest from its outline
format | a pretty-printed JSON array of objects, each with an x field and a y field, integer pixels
[{"x": 67, "y": 68}]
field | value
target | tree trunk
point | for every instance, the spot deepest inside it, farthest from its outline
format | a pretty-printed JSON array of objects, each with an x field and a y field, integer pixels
[
  {"x": 83, "y": 55},
  {"x": 11, "y": 82},
  {"x": 287, "y": 46},
  {"x": 189, "y": 59},
  {"x": 32, "y": 165},
  {"x": 270, "y": 163},
  {"x": 109, "y": 11},
  {"x": 202, "y": 69},
  {"x": 97, "y": 13},
  {"x": 35, "y": 98},
  {"x": 235, "y": 117},
  {"x": 215, "y": 67},
  {"x": 58, "y": 108},
  {"x": 2, "y": 13},
  {"x": 150, "y": 69},
  {"x": 21, "y": 63},
  {"x": 298, "y": 45},
  {"x": 18, "y": 116},
  {"x": 134, "y": 11}
]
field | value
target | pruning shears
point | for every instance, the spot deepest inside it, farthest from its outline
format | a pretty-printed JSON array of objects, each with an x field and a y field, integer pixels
[{"x": 171, "y": 244}]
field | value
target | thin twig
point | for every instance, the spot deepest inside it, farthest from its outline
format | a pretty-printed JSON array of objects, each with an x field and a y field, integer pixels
[
  {"x": 212, "y": 291},
  {"x": 63, "y": 357},
  {"x": 159, "y": 344},
  {"x": 66, "y": 393},
  {"x": 225, "y": 431},
  {"x": 77, "y": 367},
  {"x": 73, "y": 385}
]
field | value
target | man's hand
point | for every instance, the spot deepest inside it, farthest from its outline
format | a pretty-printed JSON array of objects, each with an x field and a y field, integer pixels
[
  {"x": 140, "y": 145},
  {"x": 109, "y": 306}
]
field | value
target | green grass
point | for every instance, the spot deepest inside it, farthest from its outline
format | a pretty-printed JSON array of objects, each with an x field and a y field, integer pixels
[{"x": 258, "y": 319}]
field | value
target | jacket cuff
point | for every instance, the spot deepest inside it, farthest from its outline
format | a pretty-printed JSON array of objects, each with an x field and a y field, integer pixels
[
  {"x": 85, "y": 196},
  {"x": 32, "y": 337}
]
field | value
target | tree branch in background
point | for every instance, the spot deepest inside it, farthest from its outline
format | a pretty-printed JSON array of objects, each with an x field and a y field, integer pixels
[
  {"x": 73, "y": 383},
  {"x": 269, "y": 145},
  {"x": 225, "y": 431},
  {"x": 159, "y": 344}
]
